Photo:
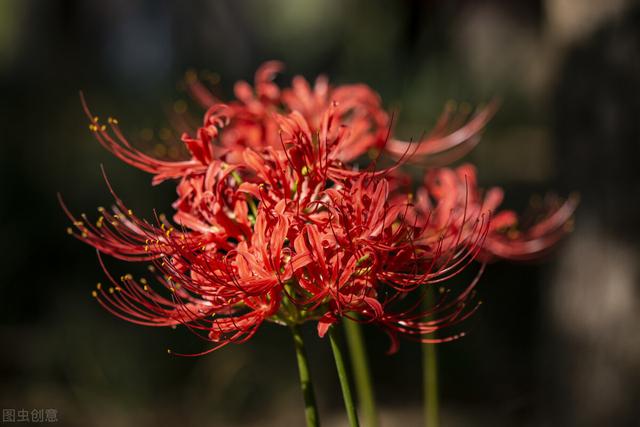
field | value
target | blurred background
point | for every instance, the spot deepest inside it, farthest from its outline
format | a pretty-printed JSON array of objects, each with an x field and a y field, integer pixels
[{"x": 556, "y": 343}]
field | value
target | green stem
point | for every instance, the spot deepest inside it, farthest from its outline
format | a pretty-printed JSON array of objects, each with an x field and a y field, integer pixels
[
  {"x": 310, "y": 407},
  {"x": 344, "y": 380},
  {"x": 430, "y": 376},
  {"x": 361, "y": 372}
]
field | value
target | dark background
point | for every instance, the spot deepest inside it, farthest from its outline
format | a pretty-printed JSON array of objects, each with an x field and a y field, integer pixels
[{"x": 557, "y": 342}]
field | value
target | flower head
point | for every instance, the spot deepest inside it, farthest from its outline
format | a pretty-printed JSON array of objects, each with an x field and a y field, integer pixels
[{"x": 276, "y": 222}]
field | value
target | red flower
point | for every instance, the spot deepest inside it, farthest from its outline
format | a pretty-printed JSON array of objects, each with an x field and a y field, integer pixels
[
  {"x": 274, "y": 223},
  {"x": 448, "y": 192}
]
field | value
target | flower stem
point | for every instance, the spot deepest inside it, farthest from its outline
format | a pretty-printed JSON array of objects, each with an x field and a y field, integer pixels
[
  {"x": 361, "y": 372},
  {"x": 310, "y": 407},
  {"x": 344, "y": 380},
  {"x": 430, "y": 376}
]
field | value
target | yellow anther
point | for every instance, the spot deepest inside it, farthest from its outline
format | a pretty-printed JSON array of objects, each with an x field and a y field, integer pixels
[
  {"x": 99, "y": 286},
  {"x": 112, "y": 120},
  {"x": 100, "y": 209},
  {"x": 130, "y": 212},
  {"x": 111, "y": 290},
  {"x": 69, "y": 230},
  {"x": 95, "y": 119},
  {"x": 103, "y": 128},
  {"x": 94, "y": 294},
  {"x": 145, "y": 287},
  {"x": 143, "y": 280},
  {"x": 168, "y": 351},
  {"x": 118, "y": 288},
  {"x": 84, "y": 234}
]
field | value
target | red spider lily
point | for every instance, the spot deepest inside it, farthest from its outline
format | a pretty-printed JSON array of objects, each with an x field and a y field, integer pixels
[
  {"x": 365, "y": 257},
  {"x": 348, "y": 119},
  {"x": 350, "y": 247},
  {"x": 274, "y": 222},
  {"x": 448, "y": 192},
  {"x": 356, "y": 106}
]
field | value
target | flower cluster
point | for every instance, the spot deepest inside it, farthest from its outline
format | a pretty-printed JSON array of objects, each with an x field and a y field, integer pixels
[{"x": 275, "y": 221}]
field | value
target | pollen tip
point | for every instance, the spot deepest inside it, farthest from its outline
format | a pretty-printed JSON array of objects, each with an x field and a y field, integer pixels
[{"x": 168, "y": 351}]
